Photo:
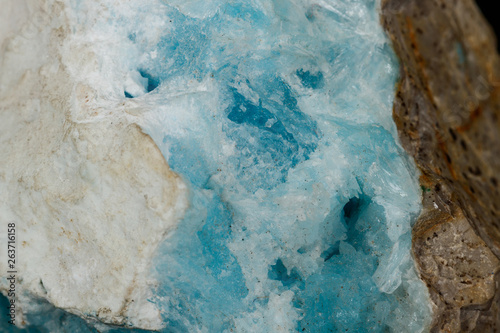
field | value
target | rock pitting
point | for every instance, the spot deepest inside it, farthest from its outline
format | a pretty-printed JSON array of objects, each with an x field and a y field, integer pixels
[{"x": 447, "y": 114}]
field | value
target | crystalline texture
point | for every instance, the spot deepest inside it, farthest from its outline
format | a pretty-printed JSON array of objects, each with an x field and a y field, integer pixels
[{"x": 277, "y": 115}]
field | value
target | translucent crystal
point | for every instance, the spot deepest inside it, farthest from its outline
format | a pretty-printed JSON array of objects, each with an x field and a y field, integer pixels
[{"x": 278, "y": 116}]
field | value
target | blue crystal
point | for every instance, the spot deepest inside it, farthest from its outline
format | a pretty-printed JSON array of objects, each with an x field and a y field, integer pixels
[
  {"x": 289, "y": 110},
  {"x": 278, "y": 117}
]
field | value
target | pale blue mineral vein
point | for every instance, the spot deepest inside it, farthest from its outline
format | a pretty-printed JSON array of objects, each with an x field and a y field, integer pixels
[{"x": 277, "y": 114}]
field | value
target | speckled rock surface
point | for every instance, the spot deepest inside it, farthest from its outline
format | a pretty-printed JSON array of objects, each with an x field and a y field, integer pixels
[
  {"x": 457, "y": 266},
  {"x": 447, "y": 113}
]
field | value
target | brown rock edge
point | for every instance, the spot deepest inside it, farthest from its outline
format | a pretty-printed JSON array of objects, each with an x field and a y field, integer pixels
[{"x": 447, "y": 111}]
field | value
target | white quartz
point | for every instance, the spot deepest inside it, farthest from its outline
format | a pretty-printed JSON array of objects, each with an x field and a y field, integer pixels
[{"x": 91, "y": 195}]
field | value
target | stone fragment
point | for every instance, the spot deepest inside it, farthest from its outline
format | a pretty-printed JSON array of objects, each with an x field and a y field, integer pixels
[
  {"x": 447, "y": 114},
  {"x": 90, "y": 194}
]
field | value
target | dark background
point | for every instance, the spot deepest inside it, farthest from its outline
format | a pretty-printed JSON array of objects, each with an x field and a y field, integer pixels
[{"x": 491, "y": 11}]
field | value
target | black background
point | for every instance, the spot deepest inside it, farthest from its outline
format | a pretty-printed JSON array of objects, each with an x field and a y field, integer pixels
[{"x": 491, "y": 10}]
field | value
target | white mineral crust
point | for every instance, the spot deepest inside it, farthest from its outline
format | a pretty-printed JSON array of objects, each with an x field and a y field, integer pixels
[{"x": 91, "y": 195}]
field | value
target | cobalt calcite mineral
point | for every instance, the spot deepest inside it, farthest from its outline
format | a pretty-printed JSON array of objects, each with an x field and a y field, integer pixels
[{"x": 206, "y": 166}]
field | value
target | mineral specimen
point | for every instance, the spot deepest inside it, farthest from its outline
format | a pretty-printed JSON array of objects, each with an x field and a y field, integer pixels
[{"x": 275, "y": 120}]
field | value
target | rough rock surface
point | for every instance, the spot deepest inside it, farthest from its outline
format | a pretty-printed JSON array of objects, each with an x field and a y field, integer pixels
[
  {"x": 447, "y": 113},
  {"x": 91, "y": 195}
]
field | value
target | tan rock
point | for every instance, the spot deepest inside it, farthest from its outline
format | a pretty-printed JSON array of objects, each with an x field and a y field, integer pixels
[{"x": 447, "y": 113}]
